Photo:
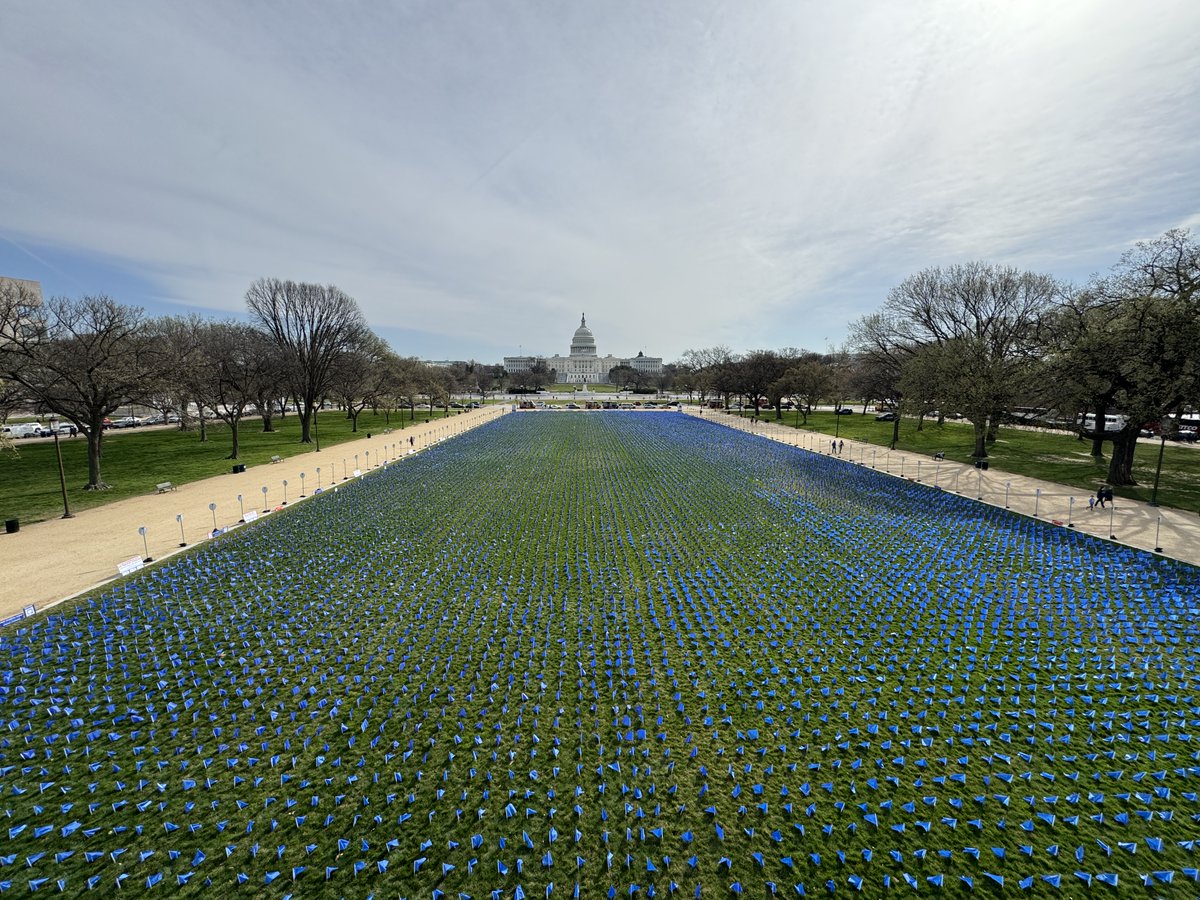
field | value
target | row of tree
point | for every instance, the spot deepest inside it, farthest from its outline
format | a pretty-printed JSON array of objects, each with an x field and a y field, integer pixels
[
  {"x": 304, "y": 344},
  {"x": 981, "y": 339},
  {"x": 976, "y": 338}
]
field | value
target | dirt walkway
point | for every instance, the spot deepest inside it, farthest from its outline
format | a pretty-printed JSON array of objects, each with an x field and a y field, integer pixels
[
  {"x": 48, "y": 561},
  {"x": 1171, "y": 532}
]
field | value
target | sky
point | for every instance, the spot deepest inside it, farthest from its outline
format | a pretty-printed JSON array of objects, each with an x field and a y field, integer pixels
[{"x": 688, "y": 173}]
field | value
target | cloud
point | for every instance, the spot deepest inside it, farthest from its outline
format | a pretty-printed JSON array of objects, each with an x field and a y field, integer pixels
[{"x": 687, "y": 173}]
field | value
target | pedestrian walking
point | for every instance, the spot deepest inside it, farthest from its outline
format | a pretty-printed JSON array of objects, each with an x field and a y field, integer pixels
[
  {"x": 1091, "y": 503},
  {"x": 1100, "y": 496},
  {"x": 841, "y": 447}
]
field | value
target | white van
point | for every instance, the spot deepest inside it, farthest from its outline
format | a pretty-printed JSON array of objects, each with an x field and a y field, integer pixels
[{"x": 23, "y": 430}]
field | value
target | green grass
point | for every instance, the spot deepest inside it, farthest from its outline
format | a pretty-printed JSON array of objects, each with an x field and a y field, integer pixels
[
  {"x": 821, "y": 659},
  {"x": 1050, "y": 456},
  {"x": 136, "y": 460}
]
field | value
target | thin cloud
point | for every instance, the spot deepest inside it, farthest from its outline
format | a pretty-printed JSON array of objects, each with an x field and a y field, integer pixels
[{"x": 687, "y": 173}]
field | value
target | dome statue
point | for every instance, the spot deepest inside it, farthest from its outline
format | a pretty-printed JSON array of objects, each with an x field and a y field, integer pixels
[{"x": 583, "y": 344}]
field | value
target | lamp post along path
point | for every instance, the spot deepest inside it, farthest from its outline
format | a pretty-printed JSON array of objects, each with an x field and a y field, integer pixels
[{"x": 62, "y": 477}]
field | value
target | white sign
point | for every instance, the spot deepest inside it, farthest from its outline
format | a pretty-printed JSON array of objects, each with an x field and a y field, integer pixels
[
  {"x": 357, "y": 472},
  {"x": 251, "y": 516},
  {"x": 130, "y": 565},
  {"x": 29, "y": 610}
]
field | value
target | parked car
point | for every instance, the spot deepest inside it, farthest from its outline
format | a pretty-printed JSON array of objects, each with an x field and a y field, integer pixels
[
  {"x": 127, "y": 422},
  {"x": 844, "y": 411},
  {"x": 886, "y": 417},
  {"x": 66, "y": 429}
]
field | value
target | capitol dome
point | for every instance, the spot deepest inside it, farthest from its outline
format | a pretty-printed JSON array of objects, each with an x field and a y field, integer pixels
[{"x": 583, "y": 344}]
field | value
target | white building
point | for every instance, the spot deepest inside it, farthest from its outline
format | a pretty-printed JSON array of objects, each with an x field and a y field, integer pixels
[{"x": 583, "y": 365}]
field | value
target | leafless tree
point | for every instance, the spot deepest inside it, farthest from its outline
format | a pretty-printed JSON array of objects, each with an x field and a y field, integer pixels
[
  {"x": 312, "y": 324},
  {"x": 236, "y": 367},
  {"x": 82, "y": 359},
  {"x": 359, "y": 376},
  {"x": 985, "y": 315}
]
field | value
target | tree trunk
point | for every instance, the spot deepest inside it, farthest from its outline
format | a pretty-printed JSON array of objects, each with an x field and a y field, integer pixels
[
  {"x": 268, "y": 421},
  {"x": 980, "y": 426},
  {"x": 233, "y": 431},
  {"x": 895, "y": 430},
  {"x": 306, "y": 414},
  {"x": 1120, "y": 467},
  {"x": 1098, "y": 431},
  {"x": 353, "y": 422},
  {"x": 203, "y": 426},
  {"x": 94, "y": 437},
  {"x": 993, "y": 427}
]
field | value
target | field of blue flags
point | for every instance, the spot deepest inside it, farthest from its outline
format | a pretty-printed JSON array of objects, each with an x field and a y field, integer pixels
[{"x": 613, "y": 655}]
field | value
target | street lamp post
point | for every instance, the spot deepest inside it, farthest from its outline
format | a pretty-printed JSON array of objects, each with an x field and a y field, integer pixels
[
  {"x": 145, "y": 545},
  {"x": 241, "y": 511},
  {"x": 182, "y": 539},
  {"x": 284, "y": 492},
  {"x": 212, "y": 508},
  {"x": 62, "y": 477},
  {"x": 302, "y": 485}
]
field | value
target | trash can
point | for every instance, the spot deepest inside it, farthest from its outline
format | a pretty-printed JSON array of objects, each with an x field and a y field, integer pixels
[
  {"x": 239, "y": 467},
  {"x": 12, "y": 526}
]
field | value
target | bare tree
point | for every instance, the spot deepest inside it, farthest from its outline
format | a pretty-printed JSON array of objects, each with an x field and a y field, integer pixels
[
  {"x": 988, "y": 315},
  {"x": 313, "y": 324},
  {"x": 180, "y": 336},
  {"x": 712, "y": 371},
  {"x": 359, "y": 376},
  {"x": 236, "y": 368},
  {"x": 83, "y": 359}
]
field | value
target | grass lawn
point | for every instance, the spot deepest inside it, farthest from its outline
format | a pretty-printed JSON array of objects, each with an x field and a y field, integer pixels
[
  {"x": 621, "y": 655},
  {"x": 137, "y": 459},
  {"x": 1051, "y": 456}
]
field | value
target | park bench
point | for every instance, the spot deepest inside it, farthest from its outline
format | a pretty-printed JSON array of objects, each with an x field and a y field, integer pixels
[
  {"x": 276, "y": 459},
  {"x": 941, "y": 454},
  {"x": 163, "y": 486}
]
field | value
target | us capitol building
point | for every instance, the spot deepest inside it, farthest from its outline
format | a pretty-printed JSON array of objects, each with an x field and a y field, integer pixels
[{"x": 583, "y": 365}]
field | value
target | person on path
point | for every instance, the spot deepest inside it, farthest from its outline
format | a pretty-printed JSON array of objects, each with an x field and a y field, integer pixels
[
  {"x": 1091, "y": 503},
  {"x": 841, "y": 447},
  {"x": 1100, "y": 496}
]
